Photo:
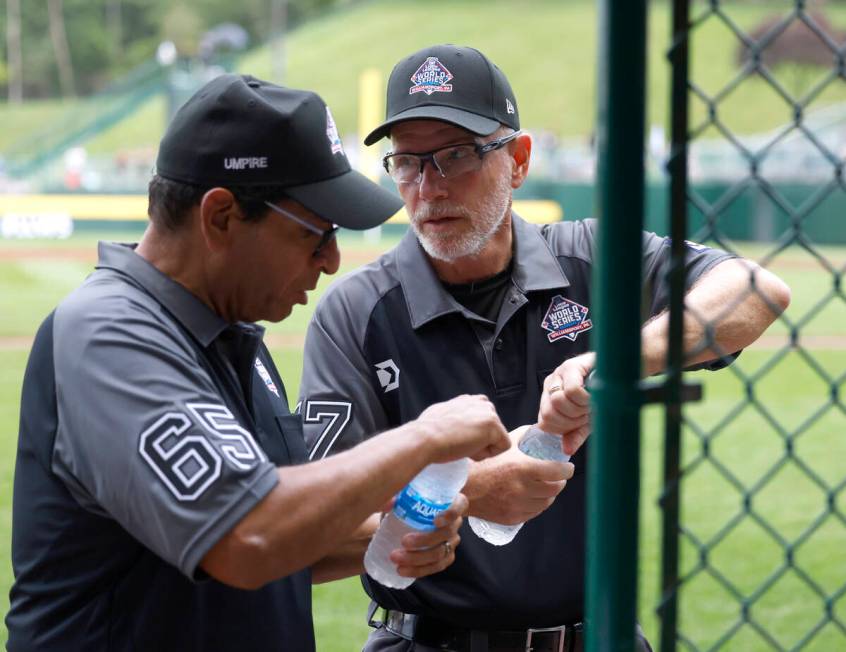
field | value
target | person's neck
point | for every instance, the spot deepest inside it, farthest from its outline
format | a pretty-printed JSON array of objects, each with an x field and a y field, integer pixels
[
  {"x": 494, "y": 257},
  {"x": 172, "y": 255}
]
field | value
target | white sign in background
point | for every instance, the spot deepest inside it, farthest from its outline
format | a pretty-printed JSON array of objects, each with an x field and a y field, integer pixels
[{"x": 56, "y": 226}]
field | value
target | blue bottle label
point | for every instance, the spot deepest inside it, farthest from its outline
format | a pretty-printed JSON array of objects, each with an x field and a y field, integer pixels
[{"x": 415, "y": 510}]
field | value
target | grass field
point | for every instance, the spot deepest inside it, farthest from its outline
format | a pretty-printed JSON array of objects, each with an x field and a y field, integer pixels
[
  {"x": 547, "y": 48},
  {"x": 745, "y": 438}
]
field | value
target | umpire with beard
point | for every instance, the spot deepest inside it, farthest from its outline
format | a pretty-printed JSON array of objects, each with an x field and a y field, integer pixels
[
  {"x": 475, "y": 299},
  {"x": 161, "y": 500}
]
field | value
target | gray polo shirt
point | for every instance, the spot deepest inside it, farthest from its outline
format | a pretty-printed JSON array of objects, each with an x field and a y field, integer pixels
[
  {"x": 388, "y": 340},
  {"x": 149, "y": 428}
]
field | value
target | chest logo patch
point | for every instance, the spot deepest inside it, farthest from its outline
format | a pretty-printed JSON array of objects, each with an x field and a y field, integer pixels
[
  {"x": 388, "y": 374},
  {"x": 431, "y": 77},
  {"x": 565, "y": 318},
  {"x": 265, "y": 376}
]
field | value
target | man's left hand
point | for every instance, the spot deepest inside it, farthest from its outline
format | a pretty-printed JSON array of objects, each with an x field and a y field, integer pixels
[
  {"x": 565, "y": 403},
  {"x": 425, "y": 553}
]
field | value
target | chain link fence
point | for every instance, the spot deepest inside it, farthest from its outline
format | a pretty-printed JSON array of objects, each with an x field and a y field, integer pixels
[{"x": 762, "y": 489}]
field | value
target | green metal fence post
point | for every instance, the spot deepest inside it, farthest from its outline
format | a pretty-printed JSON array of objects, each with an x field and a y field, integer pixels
[
  {"x": 614, "y": 457},
  {"x": 677, "y": 168}
]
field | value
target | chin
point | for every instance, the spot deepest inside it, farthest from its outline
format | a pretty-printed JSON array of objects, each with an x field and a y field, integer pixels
[
  {"x": 277, "y": 313},
  {"x": 450, "y": 251}
]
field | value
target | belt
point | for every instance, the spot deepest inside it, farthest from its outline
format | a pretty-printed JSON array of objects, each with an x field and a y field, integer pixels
[{"x": 439, "y": 634}]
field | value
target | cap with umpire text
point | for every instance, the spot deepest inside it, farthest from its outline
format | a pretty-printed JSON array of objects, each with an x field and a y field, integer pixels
[
  {"x": 239, "y": 130},
  {"x": 455, "y": 84}
]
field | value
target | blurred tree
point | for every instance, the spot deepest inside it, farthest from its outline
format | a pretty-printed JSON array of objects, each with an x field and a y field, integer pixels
[
  {"x": 183, "y": 26},
  {"x": 14, "y": 77},
  {"x": 59, "y": 37},
  {"x": 796, "y": 52},
  {"x": 114, "y": 26},
  {"x": 61, "y": 46}
]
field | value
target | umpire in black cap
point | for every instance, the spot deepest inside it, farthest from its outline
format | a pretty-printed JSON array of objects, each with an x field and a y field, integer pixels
[
  {"x": 161, "y": 500},
  {"x": 474, "y": 298}
]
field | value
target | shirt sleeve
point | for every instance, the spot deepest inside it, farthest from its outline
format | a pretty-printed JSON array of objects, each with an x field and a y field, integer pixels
[
  {"x": 144, "y": 436},
  {"x": 699, "y": 259},
  {"x": 579, "y": 239},
  {"x": 339, "y": 404}
]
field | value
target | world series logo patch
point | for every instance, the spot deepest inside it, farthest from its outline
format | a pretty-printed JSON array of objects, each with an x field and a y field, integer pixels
[
  {"x": 265, "y": 376},
  {"x": 565, "y": 318},
  {"x": 332, "y": 134},
  {"x": 431, "y": 77}
]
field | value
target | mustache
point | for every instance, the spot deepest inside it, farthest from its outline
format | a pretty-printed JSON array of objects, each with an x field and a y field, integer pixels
[{"x": 435, "y": 211}]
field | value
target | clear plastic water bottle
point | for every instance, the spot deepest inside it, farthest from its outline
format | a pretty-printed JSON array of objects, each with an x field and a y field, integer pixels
[
  {"x": 535, "y": 443},
  {"x": 427, "y": 495}
]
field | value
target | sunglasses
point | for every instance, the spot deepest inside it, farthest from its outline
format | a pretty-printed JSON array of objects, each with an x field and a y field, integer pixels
[{"x": 326, "y": 235}]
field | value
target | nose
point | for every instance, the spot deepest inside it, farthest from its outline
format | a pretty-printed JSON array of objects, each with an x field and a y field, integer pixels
[
  {"x": 329, "y": 258},
  {"x": 432, "y": 185}
]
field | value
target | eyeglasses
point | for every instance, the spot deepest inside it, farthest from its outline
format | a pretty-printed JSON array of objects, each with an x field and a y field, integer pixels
[
  {"x": 326, "y": 235},
  {"x": 450, "y": 161}
]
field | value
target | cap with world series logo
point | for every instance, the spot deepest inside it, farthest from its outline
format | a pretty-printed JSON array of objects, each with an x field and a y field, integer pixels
[
  {"x": 239, "y": 130},
  {"x": 452, "y": 83}
]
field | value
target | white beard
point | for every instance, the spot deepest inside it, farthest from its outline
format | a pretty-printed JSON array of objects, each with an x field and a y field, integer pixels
[{"x": 485, "y": 220}]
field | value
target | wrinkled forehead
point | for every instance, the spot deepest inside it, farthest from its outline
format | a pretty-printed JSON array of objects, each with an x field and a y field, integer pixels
[{"x": 424, "y": 135}]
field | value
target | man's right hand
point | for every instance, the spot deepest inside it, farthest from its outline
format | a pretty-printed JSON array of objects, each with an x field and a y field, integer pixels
[
  {"x": 466, "y": 426},
  {"x": 513, "y": 487}
]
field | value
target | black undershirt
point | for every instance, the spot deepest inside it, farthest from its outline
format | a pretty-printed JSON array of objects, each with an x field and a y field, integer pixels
[{"x": 483, "y": 297}]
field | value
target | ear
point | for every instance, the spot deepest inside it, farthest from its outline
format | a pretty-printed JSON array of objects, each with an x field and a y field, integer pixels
[
  {"x": 521, "y": 153},
  {"x": 219, "y": 212}
]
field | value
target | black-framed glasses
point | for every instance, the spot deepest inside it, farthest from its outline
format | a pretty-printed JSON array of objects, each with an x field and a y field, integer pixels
[
  {"x": 326, "y": 235},
  {"x": 450, "y": 161}
]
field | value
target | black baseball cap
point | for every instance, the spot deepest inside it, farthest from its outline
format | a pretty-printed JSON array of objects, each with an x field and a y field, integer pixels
[
  {"x": 455, "y": 84},
  {"x": 239, "y": 130}
]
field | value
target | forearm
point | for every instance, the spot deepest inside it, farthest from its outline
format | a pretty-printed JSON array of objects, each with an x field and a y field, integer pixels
[
  {"x": 725, "y": 311},
  {"x": 347, "y": 559},
  {"x": 314, "y": 506}
]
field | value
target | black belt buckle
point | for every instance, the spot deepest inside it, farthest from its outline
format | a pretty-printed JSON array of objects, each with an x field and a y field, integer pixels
[{"x": 562, "y": 635}]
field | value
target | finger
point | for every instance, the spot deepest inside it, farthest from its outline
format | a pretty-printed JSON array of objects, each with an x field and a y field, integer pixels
[
  {"x": 561, "y": 416},
  {"x": 460, "y": 507},
  {"x": 551, "y": 420},
  {"x": 543, "y": 491},
  {"x": 432, "y": 538},
  {"x": 417, "y": 563},
  {"x": 545, "y": 470},
  {"x": 573, "y": 403},
  {"x": 499, "y": 442},
  {"x": 553, "y": 382},
  {"x": 573, "y": 388},
  {"x": 574, "y": 439},
  {"x": 388, "y": 506},
  {"x": 490, "y": 451}
]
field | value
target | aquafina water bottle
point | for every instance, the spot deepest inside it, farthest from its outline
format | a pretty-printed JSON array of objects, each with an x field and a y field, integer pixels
[
  {"x": 535, "y": 443},
  {"x": 418, "y": 504}
]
